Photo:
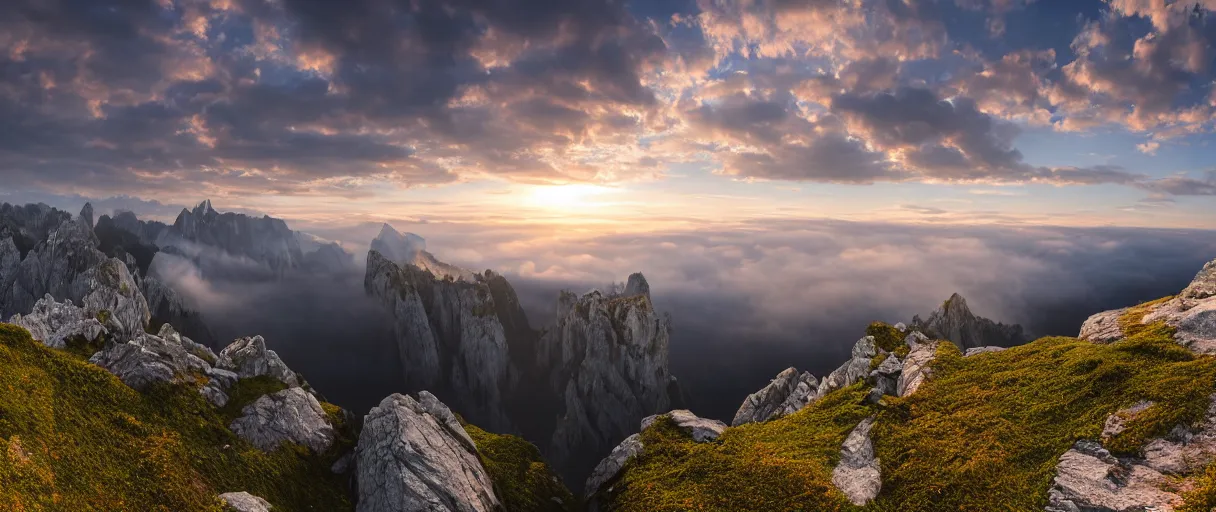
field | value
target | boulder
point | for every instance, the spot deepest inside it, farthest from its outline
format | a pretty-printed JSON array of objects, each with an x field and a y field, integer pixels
[
  {"x": 148, "y": 359},
  {"x": 702, "y": 430},
  {"x": 1203, "y": 286},
  {"x": 916, "y": 367},
  {"x": 288, "y": 416},
  {"x": 886, "y": 378},
  {"x": 54, "y": 323},
  {"x": 858, "y": 475},
  {"x": 1117, "y": 422},
  {"x": 786, "y": 394},
  {"x": 412, "y": 458},
  {"x": 852, "y": 371},
  {"x": 611, "y": 466},
  {"x": 249, "y": 357},
  {"x": 981, "y": 350},
  {"x": 244, "y": 502},
  {"x": 1103, "y": 327},
  {"x": 1089, "y": 478}
]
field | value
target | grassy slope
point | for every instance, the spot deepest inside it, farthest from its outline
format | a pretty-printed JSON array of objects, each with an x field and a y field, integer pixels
[
  {"x": 984, "y": 434},
  {"x": 73, "y": 437},
  {"x": 521, "y": 478}
]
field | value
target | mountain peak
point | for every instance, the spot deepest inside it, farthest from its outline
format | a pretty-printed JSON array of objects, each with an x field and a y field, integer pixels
[
  {"x": 204, "y": 208},
  {"x": 957, "y": 303},
  {"x": 396, "y": 246},
  {"x": 637, "y": 285}
]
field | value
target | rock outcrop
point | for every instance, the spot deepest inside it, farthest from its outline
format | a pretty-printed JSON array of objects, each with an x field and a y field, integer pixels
[
  {"x": 858, "y": 475},
  {"x": 414, "y": 456},
  {"x": 852, "y": 371},
  {"x": 449, "y": 336},
  {"x": 249, "y": 357},
  {"x": 288, "y": 416},
  {"x": 916, "y": 367},
  {"x": 397, "y": 247},
  {"x": 265, "y": 239},
  {"x": 788, "y": 393},
  {"x": 701, "y": 430},
  {"x": 244, "y": 502},
  {"x": 148, "y": 359},
  {"x": 44, "y": 251},
  {"x": 611, "y": 466},
  {"x": 1192, "y": 313},
  {"x": 954, "y": 321},
  {"x": 607, "y": 361},
  {"x": 55, "y": 323}
]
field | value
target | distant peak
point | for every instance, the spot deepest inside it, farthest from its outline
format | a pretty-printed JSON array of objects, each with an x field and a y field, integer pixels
[
  {"x": 204, "y": 208},
  {"x": 637, "y": 285},
  {"x": 388, "y": 231},
  {"x": 955, "y": 301}
]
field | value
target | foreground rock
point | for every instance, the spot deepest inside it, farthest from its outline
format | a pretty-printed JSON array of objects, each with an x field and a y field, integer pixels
[
  {"x": 954, "y": 321},
  {"x": 288, "y": 416},
  {"x": 856, "y": 369},
  {"x": 916, "y": 367},
  {"x": 1089, "y": 478},
  {"x": 700, "y": 429},
  {"x": 411, "y": 457},
  {"x": 1192, "y": 314},
  {"x": 788, "y": 393},
  {"x": 55, "y": 323},
  {"x": 146, "y": 360},
  {"x": 858, "y": 475},
  {"x": 244, "y": 502},
  {"x": 612, "y": 465},
  {"x": 249, "y": 357}
]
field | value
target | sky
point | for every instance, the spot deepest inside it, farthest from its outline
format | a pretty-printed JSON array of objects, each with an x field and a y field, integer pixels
[
  {"x": 783, "y": 171},
  {"x": 626, "y": 116}
]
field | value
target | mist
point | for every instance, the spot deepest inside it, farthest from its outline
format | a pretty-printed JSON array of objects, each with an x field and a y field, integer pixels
[{"x": 746, "y": 302}]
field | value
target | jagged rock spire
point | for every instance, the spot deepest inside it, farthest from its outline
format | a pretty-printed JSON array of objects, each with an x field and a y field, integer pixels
[{"x": 637, "y": 285}]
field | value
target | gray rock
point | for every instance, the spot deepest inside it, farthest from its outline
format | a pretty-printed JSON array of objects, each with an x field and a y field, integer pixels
[
  {"x": 901, "y": 327},
  {"x": 449, "y": 336},
  {"x": 886, "y": 378},
  {"x": 1204, "y": 284},
  {"x": 981, "y": 350},
  {"x": 412, "y": 460},
  {"x": 1117, "y": 422},
  {"x": 856, "y": 369},
  {"x": 265, "y": 240},
  {"x": 214, "y": 395},
  {"x": 244, "y": 502},
  {"x": 397, "y": 247},
  {"x": 954, "y": 321},
  {"x": 288, "y": 416},
  {"x": 858, "y": 475},
  {"x": 916, "y": 367},
  {"x": 54, "y": 323},
  {"x": 344, "y": 464},
  {"x": 607, "y": 356},
  {"x": 1187, "y": 448},
  {"x": 702, "y": 430},
  {"x": 1088, "y": 478},
  {"x": 788, "y": 393},
  {"x": 612, "y": 465},
  {"x": 249, "y": 357},
  {"x": 1103, "y": 327},
  {"x": 198, "y": 350},
  {"x": 637, "y": 285},
  {"x": 148, "y": 359}
]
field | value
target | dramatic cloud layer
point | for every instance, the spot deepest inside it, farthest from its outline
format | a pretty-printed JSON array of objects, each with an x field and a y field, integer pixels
[{"x": 321, "y": 98}]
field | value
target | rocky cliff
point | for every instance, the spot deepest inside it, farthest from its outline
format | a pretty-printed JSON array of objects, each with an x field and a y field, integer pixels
[
  {"x": 955, "y": 322},
  {"x": 1121, "y": 418},
  {"x": 576, "y": 390}
]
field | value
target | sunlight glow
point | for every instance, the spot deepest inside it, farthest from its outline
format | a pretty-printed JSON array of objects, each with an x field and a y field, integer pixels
[{"x": 565, "y": 196}]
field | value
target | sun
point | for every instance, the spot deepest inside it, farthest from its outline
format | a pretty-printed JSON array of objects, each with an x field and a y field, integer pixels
[{"x": 564, "y": 196}]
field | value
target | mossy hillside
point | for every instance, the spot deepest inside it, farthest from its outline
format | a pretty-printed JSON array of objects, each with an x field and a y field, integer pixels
[
  {"x": 73, "y": 437},
  {"x": 521, "y": 478},
  {"x": 984, "y": 433},
  {"x": 784, "y": 464}
]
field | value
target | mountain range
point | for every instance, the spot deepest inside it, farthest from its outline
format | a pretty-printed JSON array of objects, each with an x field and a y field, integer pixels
[{"x": 953, "y": 411}]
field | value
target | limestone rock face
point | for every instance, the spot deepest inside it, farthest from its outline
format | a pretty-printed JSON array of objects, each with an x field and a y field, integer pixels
[
  {"x": 54, "y": 323},
  {"x": 449, "y": 335},
  {"x": 148, "y": 359},
  {"x": 858, "y": 475},
  {"x": 44, "y": 251},
  {"x": 916, "y": 367},
  {"x": 637, "y": 285},
  {"x": 788, "y": 393},
  {"x": 886, "y": 378},
  {"x": 291, "y": 415},
  {"x": 244, "y": 502},
  {"x": 1192, "y": 314},
  {"x": 611, "y": 466},
  {"x": 701, "y": 429},
  {"x": 1089, "y": 478},
  {"x": 1103, "y": 327},
  {"x": 852, "y": 371},
  {"x": 954, "y": 321},
  {"x": 411, "y": 458},
  {"x": 607, "y": 357},
  {"x": 249, "y": 357},
  {"x": 266, "y": 240}
]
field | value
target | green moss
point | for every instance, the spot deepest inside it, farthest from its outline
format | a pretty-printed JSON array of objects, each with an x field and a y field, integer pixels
[
  {"x": 103, "y": 316},
  {"x": 73, "y": 437},
  {"x": 885, "y": 336},
  {"x": 878, "y": 359},
  {"x": 1202, "y": 495},
  {"x": 984, "y": 433},
  {"x": 1131, "y": 322},
  {"x": 246, "y": 391},
  {"x": 521, "y": 479},
  {"x": 783, "y": 464}
]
